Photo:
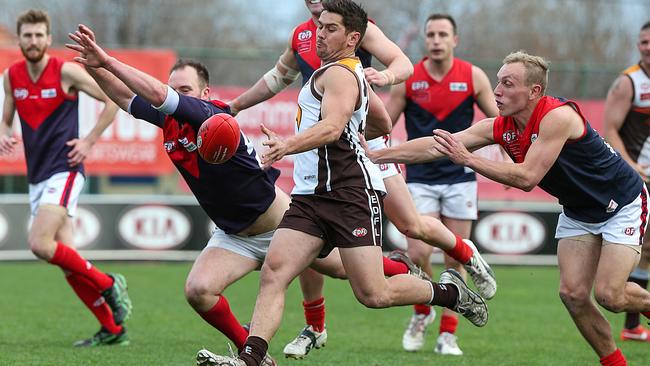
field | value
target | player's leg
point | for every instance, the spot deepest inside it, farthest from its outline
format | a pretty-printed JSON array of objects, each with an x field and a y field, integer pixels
[
  {"x": 578, "y": 261},
  {"x": 447, "y": 342},
  {"x": 53, "y": 202},
  {"x": 110, "y": 333},
  {"x": 285, "y": 260},
  {"x": 214, "y": 270},
  {"x": 313, "y": 334},
  {"x": 633, "y": 330}
]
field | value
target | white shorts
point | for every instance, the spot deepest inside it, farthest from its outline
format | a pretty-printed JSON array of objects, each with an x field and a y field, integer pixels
[
  {"x": 253, "y": 247},
  {"x": 455, "y": 201},
  {"x": 61, "y": 189},
  {"x": 387, "y": 170},
  {"x": 626, "y": 227}
]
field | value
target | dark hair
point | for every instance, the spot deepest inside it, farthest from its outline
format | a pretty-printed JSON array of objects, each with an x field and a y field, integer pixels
[
  {"x": 33, "y": 16},
  {"x": 355, "y": 19},
  {"x": 439, "y": 16},
  {"x": 645, "y": 26},
  {"x": 201, "y": 70}
]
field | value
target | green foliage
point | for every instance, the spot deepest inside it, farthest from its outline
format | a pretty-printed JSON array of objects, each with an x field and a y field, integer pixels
[{"x": 41, "y": 318}]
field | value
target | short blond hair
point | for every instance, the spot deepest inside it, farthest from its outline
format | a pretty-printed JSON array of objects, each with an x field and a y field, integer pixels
[
  {"x": 536, "y": 67},
  {"x": 33, "y": 16}
]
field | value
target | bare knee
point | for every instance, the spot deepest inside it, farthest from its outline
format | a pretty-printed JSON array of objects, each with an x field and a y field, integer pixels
[
  {"x": 41, "y": 248},
  {"x": 574, "y": 298},
  {"x": 610, "y": 297},
  {"x": 372, "y": 300},
  {"x": 200, "y": 294}
]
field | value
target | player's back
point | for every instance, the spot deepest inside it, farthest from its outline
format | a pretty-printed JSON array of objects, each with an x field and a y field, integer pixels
[
  {"x": 232, "y": 194},
  {"x": 48, "y": 117}
]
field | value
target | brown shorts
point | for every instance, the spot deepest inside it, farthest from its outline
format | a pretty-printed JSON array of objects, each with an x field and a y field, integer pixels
[{"x": 346, "y": 217}]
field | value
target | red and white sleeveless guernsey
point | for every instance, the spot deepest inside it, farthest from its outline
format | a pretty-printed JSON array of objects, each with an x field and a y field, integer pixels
[{"x": 48, "y": 117}]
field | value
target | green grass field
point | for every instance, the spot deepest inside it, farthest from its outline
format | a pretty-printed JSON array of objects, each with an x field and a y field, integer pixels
[{"x": 41, "y": 318}]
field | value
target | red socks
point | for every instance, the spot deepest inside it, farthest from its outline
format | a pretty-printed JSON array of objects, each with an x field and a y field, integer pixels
[
  {"x": 224, "y": 320},
  {"x": 315, "y": 314},
  {"x": 422, "y": 309},
  {"x": 448, "y": 323},
  {"x": 461, "y": 251},
  {"x": 392, "y": 268},
  {"x": 69, "y": 260},
  {"x": 94, "y": 301},
  {"x": 614, "y": 359}
]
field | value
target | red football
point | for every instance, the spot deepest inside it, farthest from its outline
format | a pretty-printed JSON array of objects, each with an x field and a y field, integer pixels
[{"x": 218, "y": 138}]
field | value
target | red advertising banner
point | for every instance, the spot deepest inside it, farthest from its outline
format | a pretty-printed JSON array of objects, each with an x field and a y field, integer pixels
[
  {"x": 279, "y": 114},
  {"x": 128, "y": 146}
]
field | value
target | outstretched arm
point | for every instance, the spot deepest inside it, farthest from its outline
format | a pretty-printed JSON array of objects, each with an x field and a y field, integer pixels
[
  {"x": 92, "y": 55},
  {"x": 556, "y": 128},
  {"x": 426, "y": 149}
]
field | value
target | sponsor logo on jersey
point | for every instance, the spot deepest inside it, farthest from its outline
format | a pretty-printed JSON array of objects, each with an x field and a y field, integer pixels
[
  {"x": 304, "y": 35},
  {"x": 169, "y": 146},
  {"x": 612, "y": 206},
  {"x": 644, "y": 86},
  {"x": 187, "y": 144},
  {"x": 383, "y": 167},
  {"x": 509, "y": 136},
  {"x": 458, "y": 87},
  {"x": 199, "y": 141},
  {"x": 419, "y": 85},
  {"x": 644, "y": 96},
  {"x": 48, "y": 93},
  {"x": 20, "y": 93},
  {"x": 629, "y": 231},
  {"x": 510, "y": 233},
  {"x": 360, "y": 232}
]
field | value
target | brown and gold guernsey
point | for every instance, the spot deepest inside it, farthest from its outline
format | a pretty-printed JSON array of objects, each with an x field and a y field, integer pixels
[
  {"x": 635, "y": 130},
  {"x": 344, "y": 162}
]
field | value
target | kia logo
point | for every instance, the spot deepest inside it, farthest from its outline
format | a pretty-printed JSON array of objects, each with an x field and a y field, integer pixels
[
  {"x": 154, "y": 227},
  {"x": 86, "y": 227},
  {"x": 510, "y": 233}
]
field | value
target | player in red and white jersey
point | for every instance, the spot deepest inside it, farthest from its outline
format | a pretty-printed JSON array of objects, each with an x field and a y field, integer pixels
[
  {"x": 44, "y": 91},
  {"x": 627, "y": 129},
  {"x": 441, "y": 93},
  {"x": 604, "y": 201},
  {"x": 300, "y": 59}
]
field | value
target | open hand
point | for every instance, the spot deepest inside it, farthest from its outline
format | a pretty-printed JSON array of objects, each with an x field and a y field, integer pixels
[
  {"x": 448, "y": 144},
  {"x": 277, "y": 147},
  {"x": 90, "y": 54},
  {"x": 79, "y": 152}
]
